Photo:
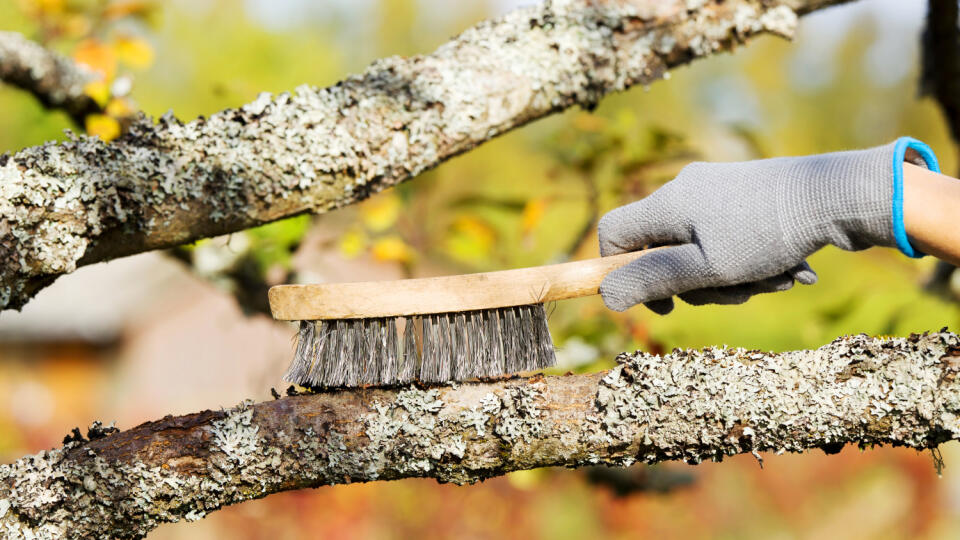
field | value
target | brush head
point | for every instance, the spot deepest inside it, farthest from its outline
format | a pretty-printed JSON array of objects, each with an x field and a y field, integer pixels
[{"x": 430, "y": 348}]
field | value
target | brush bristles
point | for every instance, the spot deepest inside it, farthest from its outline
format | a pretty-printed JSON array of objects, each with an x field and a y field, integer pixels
[{"x": 428, "y": 348}]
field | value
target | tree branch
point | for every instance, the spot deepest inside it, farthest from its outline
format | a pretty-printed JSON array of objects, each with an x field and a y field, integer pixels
[
  {"x": 688, "y": 405},
  {"x": 169, "y": 183},
  {"x": 55, "y": 80}
]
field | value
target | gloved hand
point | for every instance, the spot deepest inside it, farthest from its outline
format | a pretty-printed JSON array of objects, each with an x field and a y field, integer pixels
[{"x": 739, "y": 229}]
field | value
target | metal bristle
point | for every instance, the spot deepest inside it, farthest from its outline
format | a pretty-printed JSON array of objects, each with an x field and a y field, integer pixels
[
  {"x": 409, "y": 363},
  {"x": 430, "y": 348}
]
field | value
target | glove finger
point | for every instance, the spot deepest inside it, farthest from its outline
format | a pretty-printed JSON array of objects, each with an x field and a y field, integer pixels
[
  {"x": 777, "y": 283},
  {"x": 738, "y": 294},
  {"x": 651, "y": 220},
  {"x": 803, "y": 273},
  {"x": 656, "y": 276},
  {"x": 715, "y": 295},
  {"x": 660, "y": 307}
]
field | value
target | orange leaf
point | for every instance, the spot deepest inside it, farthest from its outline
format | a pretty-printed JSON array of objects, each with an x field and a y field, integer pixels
[
  {"x": 470, "y": 239},
  {"x": 97, "y": 56},
  {"x": 381, "y": 212},
  {"x": 532, "y": 215},
  {"x": 589, "y": 122},
  {"x": 133, "y": 8},
  {"x": 392, "y": 249}
]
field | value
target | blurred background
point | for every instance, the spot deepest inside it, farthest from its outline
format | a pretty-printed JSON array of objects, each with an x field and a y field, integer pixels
[{"x": 176, "y": 332}]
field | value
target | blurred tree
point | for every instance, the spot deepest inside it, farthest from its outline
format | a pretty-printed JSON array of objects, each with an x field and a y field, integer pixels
[{"x": 469, "y": 215}]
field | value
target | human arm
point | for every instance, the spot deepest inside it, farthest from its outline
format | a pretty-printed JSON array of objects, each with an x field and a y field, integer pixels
[
  {"x": 733, "y": 230},
  {"x": 931, "y": 212}
]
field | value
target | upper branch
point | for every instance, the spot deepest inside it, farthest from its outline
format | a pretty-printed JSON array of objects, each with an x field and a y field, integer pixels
[
  {"x": 55, "y": 80},
  {"x": 689, "y": 405},
  {"x": 163, "y": 184}
]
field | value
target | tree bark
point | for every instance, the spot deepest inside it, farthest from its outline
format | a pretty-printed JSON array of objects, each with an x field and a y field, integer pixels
[
  {"x": 689, "y": 405},
  {"x": 56, "y": 81},
  {"x": 313, "y": 150}
]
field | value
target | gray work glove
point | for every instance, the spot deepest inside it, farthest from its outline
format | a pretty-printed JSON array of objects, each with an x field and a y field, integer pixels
[{"x": 739, "y": 229}]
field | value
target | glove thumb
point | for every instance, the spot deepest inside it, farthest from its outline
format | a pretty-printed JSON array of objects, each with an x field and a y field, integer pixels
[{"x": 658, "y": 275}]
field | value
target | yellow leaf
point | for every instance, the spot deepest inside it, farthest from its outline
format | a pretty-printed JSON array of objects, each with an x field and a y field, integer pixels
[
  {"x": 392, "y": 249},
  {"x": 76, "y": 25},
  {"x": 353, "y": 243},
  {"x": 526, "y": 480},
  {"x": 381, "y": 212},
  {"x": 532, "y": 215},
  {"x": 97, "y": 56},
  {"x": 119, "y": 108},
  {"x": 470, "y": 239},
  {"x": 98, "y": 91},
  {"x": 106, "y": 127},
  {"x": 45, "y": 7},
  {"x": 134, "y": 52}
]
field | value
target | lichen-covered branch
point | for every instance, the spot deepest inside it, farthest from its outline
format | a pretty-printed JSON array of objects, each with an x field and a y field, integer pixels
[
  {"x": 688, "y": 405},
  {"x": 55, "y": 80},
  {"x": 168, "y": 183}
]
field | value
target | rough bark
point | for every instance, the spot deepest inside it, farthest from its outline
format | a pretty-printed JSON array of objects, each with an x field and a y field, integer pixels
[
  {"x": 688, "y": 405},
  {"x": 56, "y": 81},
  {"x": 168, "y": 183}
]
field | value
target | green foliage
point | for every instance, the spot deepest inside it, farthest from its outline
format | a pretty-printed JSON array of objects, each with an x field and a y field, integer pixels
[{"x": 274, "y": 243}]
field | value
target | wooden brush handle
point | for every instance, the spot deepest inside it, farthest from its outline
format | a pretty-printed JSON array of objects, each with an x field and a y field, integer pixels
[{"x": 444, "y": 294}]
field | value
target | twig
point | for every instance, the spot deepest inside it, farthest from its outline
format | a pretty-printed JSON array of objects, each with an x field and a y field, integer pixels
[{"x": 56, "y": 81}]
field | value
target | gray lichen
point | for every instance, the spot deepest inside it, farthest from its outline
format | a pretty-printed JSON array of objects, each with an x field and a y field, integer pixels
[
  {"x": 316, "y": 149},
  {"x": 722, "y": 401}
]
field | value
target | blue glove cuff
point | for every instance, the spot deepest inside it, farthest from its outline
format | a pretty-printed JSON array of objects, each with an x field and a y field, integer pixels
[{"x": 899, "y": 152}]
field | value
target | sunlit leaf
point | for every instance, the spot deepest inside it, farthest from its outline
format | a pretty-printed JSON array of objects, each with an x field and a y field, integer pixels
[
  {"x": 353, "y": 243},
  {"x": 119, "y": 108},
  {"x": 98, "y": 91},
  {"x": 132, "y": 8},
  {"x": 471, "y": 239},
  {"x": 532, "y": 215},
  {"x": 525, "y": 480},
  {"x": 589, "y": 122},
  {"x": 106, "y": 127},
  {"x": 391, "y": 249},
  {"x": 134, "y": 52},
  {"x": 98, "y": 56},
  {"x": 381, "y": 212},
  {"x": 45, "y": 7},
  {"x": 76, "y": 25}
]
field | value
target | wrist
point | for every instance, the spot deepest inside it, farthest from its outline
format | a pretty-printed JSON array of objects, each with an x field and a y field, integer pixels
[{"x": 907, "y": 149}]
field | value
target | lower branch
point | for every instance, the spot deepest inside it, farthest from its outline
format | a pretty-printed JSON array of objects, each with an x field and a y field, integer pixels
[
  {"x": 689, "y": 405},
  {"x": 55, "y": 80}
]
